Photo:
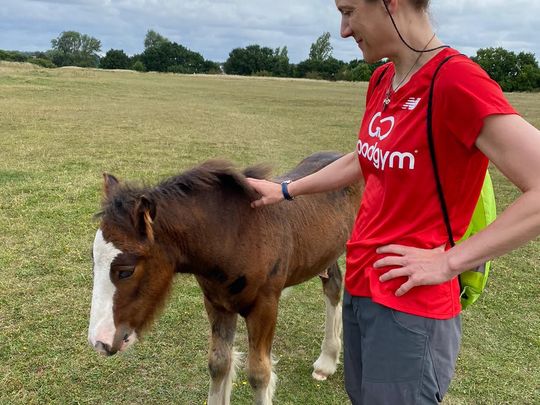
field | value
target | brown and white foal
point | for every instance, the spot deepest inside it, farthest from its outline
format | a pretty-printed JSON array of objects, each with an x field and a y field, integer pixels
[{"x": 201, "y": 222}]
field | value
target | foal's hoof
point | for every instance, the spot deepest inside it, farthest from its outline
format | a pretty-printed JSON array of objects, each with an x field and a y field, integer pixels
[{"x": 319, "y": 376}]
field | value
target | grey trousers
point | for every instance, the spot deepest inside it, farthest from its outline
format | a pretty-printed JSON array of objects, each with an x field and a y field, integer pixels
[{"x": 391, "y": 357}]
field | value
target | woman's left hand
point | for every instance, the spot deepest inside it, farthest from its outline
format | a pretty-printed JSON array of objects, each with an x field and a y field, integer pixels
[{"x": 420, "y": 266}]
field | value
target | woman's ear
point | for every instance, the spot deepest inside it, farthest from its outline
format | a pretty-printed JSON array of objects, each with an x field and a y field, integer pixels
[{"x": 391, "y": 5}]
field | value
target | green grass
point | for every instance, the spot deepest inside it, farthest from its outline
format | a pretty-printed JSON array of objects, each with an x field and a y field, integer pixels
[{"x": 60, "y": 129}]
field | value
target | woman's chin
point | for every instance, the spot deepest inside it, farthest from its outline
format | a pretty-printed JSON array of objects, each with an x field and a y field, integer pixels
[{"x": 370, "y": 57}]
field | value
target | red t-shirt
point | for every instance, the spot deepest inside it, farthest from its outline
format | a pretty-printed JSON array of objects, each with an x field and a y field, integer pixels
[{"x": 400, "y": 204}]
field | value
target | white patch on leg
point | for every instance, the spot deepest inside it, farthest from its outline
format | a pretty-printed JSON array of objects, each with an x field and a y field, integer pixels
[
  {"x": 286, "y": 292},
  {"x": 220, "y": 394},
  {"x": 271, "y": 388},
  {"x": 327, "y": 362},
  {"x": 236, "y": 359},
  {"x": 265, "y": 395},
  {"x": 101, "y": 326}
]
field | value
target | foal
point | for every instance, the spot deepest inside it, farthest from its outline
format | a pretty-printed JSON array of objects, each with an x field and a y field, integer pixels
[{"x": 201, "y": 222}]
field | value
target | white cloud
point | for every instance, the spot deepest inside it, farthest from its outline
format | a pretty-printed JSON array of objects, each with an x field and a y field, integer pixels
[{"x": 215, "y": 27}]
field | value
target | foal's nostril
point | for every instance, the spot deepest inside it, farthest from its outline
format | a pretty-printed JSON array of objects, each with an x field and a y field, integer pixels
[{"x": 104, "y": 348}]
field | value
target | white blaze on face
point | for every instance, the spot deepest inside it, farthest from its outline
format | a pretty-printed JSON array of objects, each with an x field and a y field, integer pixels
[{"x": 102, "y": 327}]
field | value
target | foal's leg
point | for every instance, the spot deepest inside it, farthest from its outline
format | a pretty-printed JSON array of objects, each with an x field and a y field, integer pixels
[
  {"x": 221, "y": 357},
  {"x": 331, "y": 346},
  {"x": 261, "y": 324}
]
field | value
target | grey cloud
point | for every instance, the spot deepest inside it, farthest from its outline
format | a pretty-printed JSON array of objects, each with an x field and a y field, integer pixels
[
  {"x": 469, "y": 26},
  {"x": 215, "y": 27}
]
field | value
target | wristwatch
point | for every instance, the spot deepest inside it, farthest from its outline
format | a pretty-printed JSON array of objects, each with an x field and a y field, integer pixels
[{"x": 285, "y": 190}]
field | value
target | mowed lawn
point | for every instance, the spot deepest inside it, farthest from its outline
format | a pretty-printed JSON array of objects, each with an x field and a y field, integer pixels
[{"x": 61, "y": 129}]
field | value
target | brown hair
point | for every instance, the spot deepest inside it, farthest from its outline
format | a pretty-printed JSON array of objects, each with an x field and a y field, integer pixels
[
  {"x": 421, "y": 4},
  {"x": 418, "y": 4}
]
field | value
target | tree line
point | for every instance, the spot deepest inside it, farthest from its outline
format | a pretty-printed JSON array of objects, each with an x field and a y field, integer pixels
[{"x": 513, "y": 72}]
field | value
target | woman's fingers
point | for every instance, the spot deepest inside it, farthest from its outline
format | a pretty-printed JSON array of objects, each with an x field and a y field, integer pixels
[{"x": 270, "y": 192}]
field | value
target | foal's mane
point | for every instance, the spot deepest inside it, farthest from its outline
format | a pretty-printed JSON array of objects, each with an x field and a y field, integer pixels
[
  {"x": 210, "y": 175},
  {"x": 213, "y": 174}
]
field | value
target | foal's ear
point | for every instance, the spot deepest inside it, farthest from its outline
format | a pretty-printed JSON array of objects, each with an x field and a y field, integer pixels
[
  {"x": 145, "y": 213},
  {"x": 110, "y": 183}
]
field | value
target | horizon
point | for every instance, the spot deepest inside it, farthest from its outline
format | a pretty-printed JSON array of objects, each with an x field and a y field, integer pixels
[{"x": 215, "y": 28}]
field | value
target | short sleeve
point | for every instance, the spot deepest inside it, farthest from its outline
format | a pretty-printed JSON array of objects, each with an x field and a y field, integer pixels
[{"x": 467, "y": 95}]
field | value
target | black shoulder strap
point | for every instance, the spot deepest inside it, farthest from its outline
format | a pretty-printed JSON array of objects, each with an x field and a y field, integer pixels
[
  {"x": 381, "y": 76},
  {"x": 431, "y": 142}
]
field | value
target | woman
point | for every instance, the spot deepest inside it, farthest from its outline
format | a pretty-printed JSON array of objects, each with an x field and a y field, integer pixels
[{"x": 401, "y": 302}]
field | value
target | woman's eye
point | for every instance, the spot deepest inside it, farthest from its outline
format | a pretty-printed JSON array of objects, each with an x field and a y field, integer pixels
[{"x": 125, "y": 274}]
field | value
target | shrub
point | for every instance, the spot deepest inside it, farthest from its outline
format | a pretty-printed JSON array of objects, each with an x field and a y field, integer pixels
[
  {"x": 138, "y": 66},
  {"x": 43, "y": 62}
]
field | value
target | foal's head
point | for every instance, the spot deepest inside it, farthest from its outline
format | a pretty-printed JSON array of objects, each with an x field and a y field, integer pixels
[
  {"x": 134, "y": 263},
  {"x": 131, "y": 274}
]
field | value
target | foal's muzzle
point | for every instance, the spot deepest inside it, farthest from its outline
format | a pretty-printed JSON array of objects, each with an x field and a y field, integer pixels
[{"x": 104, "y": 348}]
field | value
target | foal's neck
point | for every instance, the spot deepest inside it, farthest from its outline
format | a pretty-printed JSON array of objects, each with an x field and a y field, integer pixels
[{"x": 197, "y": 229}]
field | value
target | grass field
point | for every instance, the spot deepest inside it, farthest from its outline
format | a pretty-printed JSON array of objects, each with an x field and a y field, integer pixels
[{"x": 60, "y": 129}]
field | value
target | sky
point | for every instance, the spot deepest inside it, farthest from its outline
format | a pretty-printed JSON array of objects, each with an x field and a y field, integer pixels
[{"x": 215, "y": 27}]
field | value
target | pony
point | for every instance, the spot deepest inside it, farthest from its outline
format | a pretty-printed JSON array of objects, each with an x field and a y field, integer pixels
[{"x": 201, "y": 222}]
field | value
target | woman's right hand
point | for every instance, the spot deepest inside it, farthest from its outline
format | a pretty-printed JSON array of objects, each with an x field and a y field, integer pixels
[{"x": 270, "y": 192}]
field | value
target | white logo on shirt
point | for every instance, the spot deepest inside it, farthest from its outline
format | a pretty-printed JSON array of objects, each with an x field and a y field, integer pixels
[
  {"x": 376, "y": 132},
  {"x": 411, "y": 103},
  {"x": 382, "y": 159}
]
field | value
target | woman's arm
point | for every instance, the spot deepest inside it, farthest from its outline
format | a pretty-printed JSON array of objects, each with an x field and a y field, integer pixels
[
  {"x": 340, "y": 173},
  {"x": 513, "y": 145}
]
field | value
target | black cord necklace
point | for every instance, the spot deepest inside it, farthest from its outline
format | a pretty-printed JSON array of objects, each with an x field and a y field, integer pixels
[
  {"x": 403, "y": 40},
  {"x": 391, "y": 90}
]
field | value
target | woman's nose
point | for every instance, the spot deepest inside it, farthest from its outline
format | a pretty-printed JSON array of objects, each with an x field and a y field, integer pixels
[{"x": 346, "y": 30}]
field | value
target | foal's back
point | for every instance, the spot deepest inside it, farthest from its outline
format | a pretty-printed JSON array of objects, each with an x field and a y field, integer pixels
[{"x": 315, "y": 227}]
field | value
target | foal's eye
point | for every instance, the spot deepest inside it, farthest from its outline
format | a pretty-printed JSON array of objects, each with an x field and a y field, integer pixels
[
  {"x": 124, "y": 265},
  {"x": 124, "y": 271},
  {"x": 125, "y": 274}
]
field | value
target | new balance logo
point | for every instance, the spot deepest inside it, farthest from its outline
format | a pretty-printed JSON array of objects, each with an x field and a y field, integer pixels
[{"x": 411, "y": 103}]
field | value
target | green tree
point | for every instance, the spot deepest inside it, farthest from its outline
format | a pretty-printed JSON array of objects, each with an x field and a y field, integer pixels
[
  {"x": 281, "y": 65},
  {"x": 115, "y": 59},
  {"x": 528, "y": 77},
  {"x": 360, "y": 73},
  {"x": 251, "y": 60},
  {"x": 321, "y": 49},
  {"x": 211, "y": 68},
  {"x": 13, "y": 56},
  {"x": 138, "y": 66},
  {"x": 172, "y": 57},
  {"x": 43, "y": 62},
  {"x": 162, "y": 55},
  {"x": 154, "y": 39},
  {"x": 321, "y": 64},
  {"x": 76, "y": 49},
  {"x": 358, "y": 70},
  {"x": 512, "y": 72},
  {"x": 328, "y": 69}
]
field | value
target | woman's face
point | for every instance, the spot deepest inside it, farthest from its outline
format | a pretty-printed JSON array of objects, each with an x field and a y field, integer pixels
[{"x": 367, "y": 22}]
